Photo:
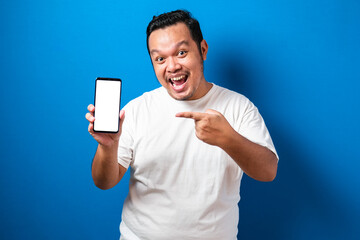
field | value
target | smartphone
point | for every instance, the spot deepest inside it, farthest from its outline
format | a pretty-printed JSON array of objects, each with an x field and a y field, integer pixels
[{"x": 107, "y": 104}]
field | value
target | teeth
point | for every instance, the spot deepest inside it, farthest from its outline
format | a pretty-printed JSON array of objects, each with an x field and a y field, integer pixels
[{"x": 177, "y": 78}]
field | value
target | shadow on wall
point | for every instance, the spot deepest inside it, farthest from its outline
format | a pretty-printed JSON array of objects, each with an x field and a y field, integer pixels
[{"x": 295, "y": 205}]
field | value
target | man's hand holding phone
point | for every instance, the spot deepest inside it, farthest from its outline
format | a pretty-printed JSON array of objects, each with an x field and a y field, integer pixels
[
  {"x": 105, "y": 117},
  {"x": 104, "y": 139}
]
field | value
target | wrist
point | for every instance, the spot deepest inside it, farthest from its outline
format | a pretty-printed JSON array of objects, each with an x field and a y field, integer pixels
[
  {"x": 229, "y": 139},
  {"x": 109, "y": 146}
]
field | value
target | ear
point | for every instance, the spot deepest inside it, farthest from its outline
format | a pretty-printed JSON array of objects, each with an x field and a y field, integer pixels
[{"x": 204, "y": 49}]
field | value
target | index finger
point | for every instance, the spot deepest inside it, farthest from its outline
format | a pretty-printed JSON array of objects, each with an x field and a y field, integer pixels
[{"x": 193, "y": 115}]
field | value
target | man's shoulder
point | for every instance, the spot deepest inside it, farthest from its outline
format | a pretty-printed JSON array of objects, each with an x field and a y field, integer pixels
[{"x": 228, "y": 94}]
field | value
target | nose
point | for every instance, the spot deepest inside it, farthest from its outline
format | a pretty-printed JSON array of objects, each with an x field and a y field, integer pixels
[{"x": 172, "y": 65}]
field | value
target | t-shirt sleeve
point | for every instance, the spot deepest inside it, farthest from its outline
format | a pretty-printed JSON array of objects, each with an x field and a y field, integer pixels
[
  {"x": 125, "y": 149},
  {"x": 252, "y": 126}
]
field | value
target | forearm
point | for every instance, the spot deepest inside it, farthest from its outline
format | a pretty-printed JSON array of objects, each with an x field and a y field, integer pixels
[
  {"x": 106, "y": 171},
  {"x": 255, "y": 160}
]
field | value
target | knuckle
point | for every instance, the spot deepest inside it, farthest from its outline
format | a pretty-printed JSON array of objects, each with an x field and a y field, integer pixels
[{"x": 200, "y": 126}]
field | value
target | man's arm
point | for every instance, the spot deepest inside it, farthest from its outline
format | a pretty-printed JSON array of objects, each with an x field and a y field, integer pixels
[
  {"x": 256, "y": 161},
  {"x": 106, "y": 171}
]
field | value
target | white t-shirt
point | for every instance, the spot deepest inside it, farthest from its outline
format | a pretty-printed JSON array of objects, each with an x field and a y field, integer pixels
[{"x": 181, "y": 187}]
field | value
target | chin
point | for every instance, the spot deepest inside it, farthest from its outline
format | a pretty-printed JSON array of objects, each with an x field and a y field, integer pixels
[{"x": 182, "y": 97}]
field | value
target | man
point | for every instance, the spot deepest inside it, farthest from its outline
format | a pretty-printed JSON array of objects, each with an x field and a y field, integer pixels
[{"x": 185, "y": 175}]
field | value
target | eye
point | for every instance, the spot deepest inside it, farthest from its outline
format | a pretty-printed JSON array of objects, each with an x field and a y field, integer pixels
[
  {"x": 182, "y": 53},
  {"x": 159, "y": 59}
]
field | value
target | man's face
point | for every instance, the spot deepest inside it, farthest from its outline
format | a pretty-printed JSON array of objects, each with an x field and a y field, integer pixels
[{"x": 177, "y": 62}]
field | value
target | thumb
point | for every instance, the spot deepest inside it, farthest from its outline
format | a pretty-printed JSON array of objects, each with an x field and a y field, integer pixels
[{"x": 212, "y": 111}]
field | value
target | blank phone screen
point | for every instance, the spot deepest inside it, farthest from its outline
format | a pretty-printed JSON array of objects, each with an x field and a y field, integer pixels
[{"x": 107, "y": 105}]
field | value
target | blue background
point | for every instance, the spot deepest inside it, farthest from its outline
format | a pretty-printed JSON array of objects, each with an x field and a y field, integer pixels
[{"x": 298, "y": 61}]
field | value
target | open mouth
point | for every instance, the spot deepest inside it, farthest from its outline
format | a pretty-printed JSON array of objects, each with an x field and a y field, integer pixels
[{"x": 178, "y": 82}]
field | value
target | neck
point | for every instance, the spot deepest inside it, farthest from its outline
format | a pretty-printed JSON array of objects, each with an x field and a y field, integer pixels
[{"x": 204, "y": 88}]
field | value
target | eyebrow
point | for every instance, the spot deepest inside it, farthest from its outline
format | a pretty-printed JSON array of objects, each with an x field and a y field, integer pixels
[{"x": 184, "y": 42}]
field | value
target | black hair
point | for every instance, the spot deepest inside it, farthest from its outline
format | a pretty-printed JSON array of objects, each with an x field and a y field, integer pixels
[{"x": 171, "y": 18}]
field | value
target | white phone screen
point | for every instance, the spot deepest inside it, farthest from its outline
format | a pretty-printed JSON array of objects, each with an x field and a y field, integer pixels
[{"x": 107, "y": 105}]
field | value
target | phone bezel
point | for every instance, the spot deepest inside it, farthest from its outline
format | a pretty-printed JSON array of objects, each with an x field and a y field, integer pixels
[{"x": 107, "y": 79}]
